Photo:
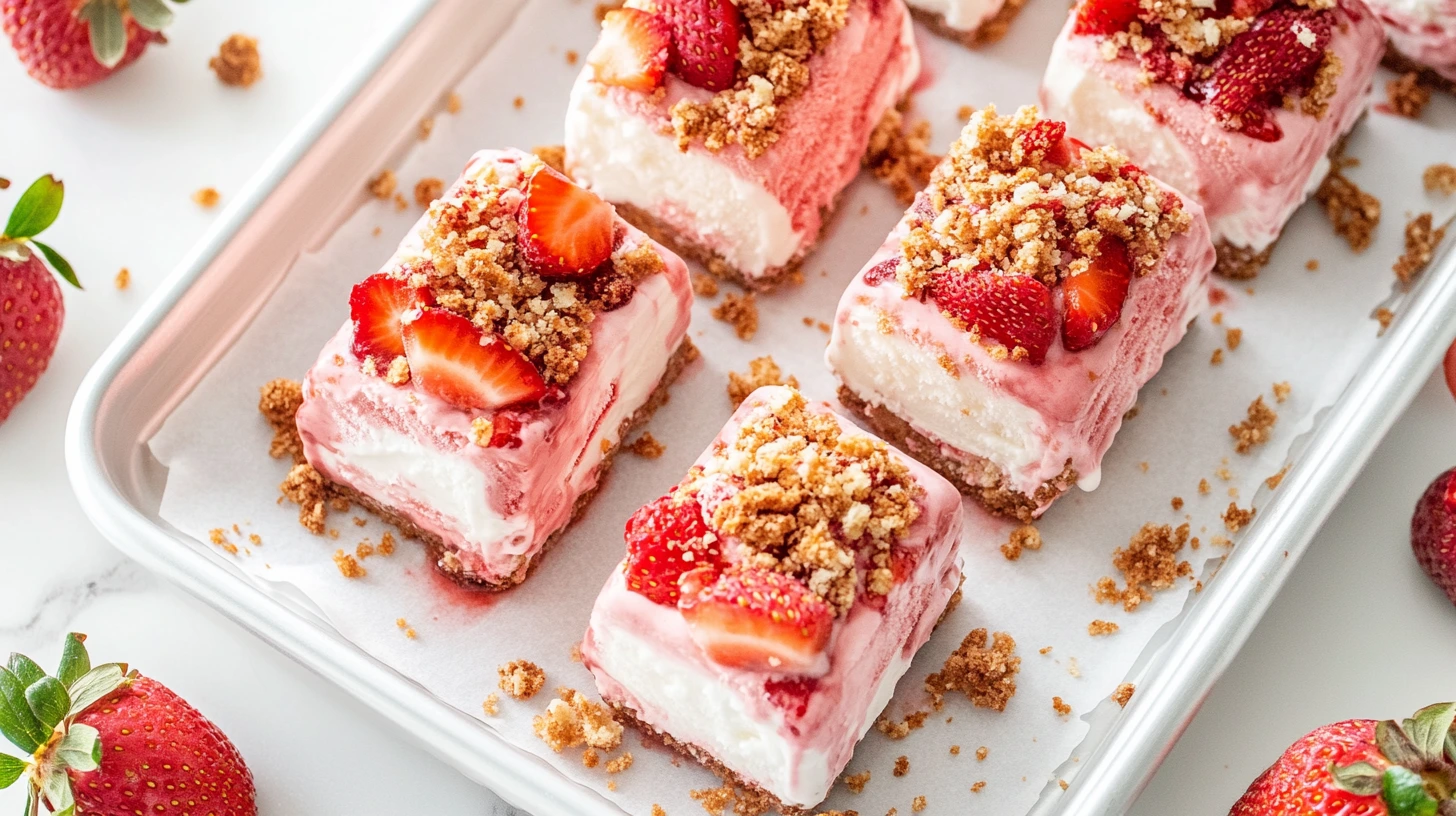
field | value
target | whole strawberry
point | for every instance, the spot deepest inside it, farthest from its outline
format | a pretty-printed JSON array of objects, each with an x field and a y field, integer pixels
[
  {"x": 1433, "y": 532},
  {"x": 31, "y": 310},
  {"x": 110, "y": 742},
  {"x": 73, "y": 43},
  {"x": 1450, "y": 366},
  {"x": 1363, "y": 767}
]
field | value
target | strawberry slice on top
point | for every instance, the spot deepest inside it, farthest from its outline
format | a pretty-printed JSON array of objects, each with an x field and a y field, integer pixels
[
  {"x": 1092, "y": 300},
  {"x": 705, "y": 37},
  {"x": 565, "y": 231},
  {"x": 665, "y": 539},
  {"x": 760, "y": 620},
  {"x": 377, "y": 307},
  {"x": 452, "y": 359},
  {"x": 633, "y": 50},
  {"x": 1013, "y": 310},
  {"x": 1105, "y": 17},
  {"x": 1280, "y": 51}
]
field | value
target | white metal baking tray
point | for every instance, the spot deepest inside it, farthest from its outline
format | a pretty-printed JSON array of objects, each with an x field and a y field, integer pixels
[{"x": 204, "y": 305}]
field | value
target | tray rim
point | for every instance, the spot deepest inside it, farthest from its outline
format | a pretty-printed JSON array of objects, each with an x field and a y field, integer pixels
[{"x": 1180, "y": 667}]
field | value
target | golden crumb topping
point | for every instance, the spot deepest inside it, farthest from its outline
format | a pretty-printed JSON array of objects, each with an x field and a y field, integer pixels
[
  {"x": 900, "y": 156},
  {"x": 983, "y": 670},
  {"x": 762, "y": 371}
]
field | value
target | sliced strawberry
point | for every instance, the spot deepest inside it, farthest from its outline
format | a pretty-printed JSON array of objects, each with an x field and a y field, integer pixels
[
  {"x": 1092, "y": 300},
  {"x": 760, "y": 620},
  {"x": 704, "y": 41},
  {"x": 377, "y": 306},
  {"x": 565, "y": 231},
  {"x": 1013, "y": 310},
  {"x": 1105, "y": 17},
  {"x": 1281, "y": 50},
  {"x": 881, "y": 272},
  {"x": 1047, "y": 139},
  {"x": 665, "y": 539},
  {"x": 791, "y": 694},
  {"x": 452, "y": 359},
  {"x": 633, "y": 50}
]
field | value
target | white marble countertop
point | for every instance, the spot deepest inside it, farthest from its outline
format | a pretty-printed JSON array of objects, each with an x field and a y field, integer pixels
[{"x": 1345, "y": 638}]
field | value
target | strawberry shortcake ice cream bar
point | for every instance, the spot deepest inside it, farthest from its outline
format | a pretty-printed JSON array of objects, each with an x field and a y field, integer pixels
[
  {"x": 729, "y": 129},
  {"x": 1422, "y": 38},
  {"x": 972, "y": 23},
  {"x": 487, "y": 374},
  {"x": 1007, "y": 323},
  {"x": 1237, "y": 104},
  {"x": 769, "y": 602}
]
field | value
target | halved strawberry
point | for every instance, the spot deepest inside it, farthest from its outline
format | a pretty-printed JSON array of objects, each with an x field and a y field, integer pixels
[
  {"x": 633, "y": 50},
  {"x": 704, "y": 41},
  {"x": 760, "y": 620},
  {"x": 1013, "y": 310},
  {"x": 377, "y": 306},
  {"x": 565, "y": 230},
  {"x": 665, "y": 539},
  {"x": 1092, "y": 301},
  {"x": 1047, "y": 138},
  {"x": 1281, "y": 50},
  {"x": 1105, "y": 17},
  {"x": 452, "y": 359}
]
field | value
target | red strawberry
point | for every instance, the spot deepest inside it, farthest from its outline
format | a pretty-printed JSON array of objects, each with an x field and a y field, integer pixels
[
  {"x": 1450, "y": 366},
  {"x": 1433, "y": 532},
  {"x": 1105, "y": 17},
  {"x": 665, "y": 539},
  {"x": 377, "y": 306},
  {"x": 1279, "y": 51},
  {"x": 881, "y": 272},
  {"x": 1363, "y": 767},
  {"x": 31, "y": 310},
  {"x": 704, "y": 41},
  {"x": 1048, "y": 138},
  {"x": 565, "y": 231},
  {"x": 1013, "y": 310},
  {"x": 633, "y": 50},
  {"x": 73, "y": 43},
  {"x": 107, "y": 742},
  {"x": 1092, "y": 301},
  {"x": 760, "y": 620},
  {"x": 452, "y": 359}
]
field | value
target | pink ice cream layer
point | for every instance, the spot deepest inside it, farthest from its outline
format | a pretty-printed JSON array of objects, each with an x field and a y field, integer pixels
[
  {"x": 1422, "y": 30},
  {"x": 790, "y": 736},
  {"x": 866, "y": 69},
  {"x": 493, "y": 508},
  {"x": 1074, "y": 402},
  {"x": 1248, "y": 187}
]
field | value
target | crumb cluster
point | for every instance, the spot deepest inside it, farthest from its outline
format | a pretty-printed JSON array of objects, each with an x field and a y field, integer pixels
[
  {"x": 520, "y": 678},
  {"x": 1101, "y": 627},
  {"x": 1421, "y": 240},
  {"x": 984, "y": 670},
  {"x": 1255, "y": 428},
  {"x": 647, "y": 446},
  {"x": 1149, "y": 562},
  {"x": 810, "y": 500},
  {"x": 1439, "y": 178},
  {"x": 1236, "y": 518},
  {"x": 900, "y": 156},
  {"x": 1353, "y": 212},
  {"x": 856, "y": 782},
  {"x": 572, "y": 720},
  {"x": 740, "y": 312},
  {"x": 237, "y": 62},
  {"x": 1025, "y": 537},
  {"x": 762, "y": 371},
  {"x": 1408, "y": 97},
  {"x": 1123, "y": 693},
  {"x": 900, "y": 730},
  {"x": 207, "y": 197},
  {"x": 779, "y": 38}
]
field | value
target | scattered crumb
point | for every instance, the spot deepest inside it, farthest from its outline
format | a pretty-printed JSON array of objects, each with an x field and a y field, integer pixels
[
  {"x": 621, "y": 763},
  {"x": 1123, "y": 694},
  {"x": 1421, "y": 239},
  {"x": 1149, "y": 562},
  {"x": 647, "y": 446},
  {"x": 1233, "y": 337},
  {"x": 571, "y": 56},
  {"x": 1143, "y": 466},
  {"x": 762, "y": 371},
  {"x": 978, "y": 787},
  {"x": 218, "y": 537},
  {"x": 553, "y": 155},
  {"x": 1312, "y": 264},
  {"x": 590, "y": 757},
  {"x": 576, "y": 653},
  {"x": 4, "y": 183},
  {"x": 400, "y": 203},
  {"x": 386, "y": 543},
  {"x": 237, "y": 62},
  {"x": 902, "y": 765},
  {"x": 426, "y": 127},
  {"x": 1384, "y": 317},
  {"x": 572, "y": 720},
  {"x": 611, "y": 784},
  {"x": 377, "y": 231},
  {"x": 1023, "y": 537},
  {"x": 658, "y": 811},
  {"x": 1131, "y": 413},
  {"x": 1281, "y": 391},
  {"x": 278, "y": 402},
  {"x": 1255, "y": 428},
  {"x": 519, "y": 102},
  {"x": 1062, "y": 783},
  {"x": 207, "y": 197},
  {"x": 491, "y": 706},
  {"x": 705, "y": 285},
  {"x": 1073, "y": 668},
  {"x": 1235, "y": 519},
  {"x": 1101, "y": 627},
  {"x": 427, "y": 190},
  {"x": 1060, "y": 707},
  {"x": 383, "y": 185},
  {"x": 1203, "y": 488},
  {"x": 520, "y": 678},
  {"x": 1408, "y": 97},
  {"x": 1221, "y": 541},
  {"x": 899, "y": 155},
  {"x": 964, "y": 112},
  {"x": 1217, "y": 319},
  {"x": 856, "y": 782},
  {"x": 1353, "y": 212},
  {"x": 1438, "y": 178},
  {"x": 743, "y": 802},
  {"x": 984, "y": 670},
  {"x": 955, "y": 750},
  {"x": 349, "y": 567},
  {"x": 123, "y": 278},
  {"x": 982, "y": 753},
  {"x": 1044, "y": 650},
  {"x": 1177, "y": 503},
  {"x": 917, "y": 804},
  {"x": 740, "y": 312},
  {"x": 482, "y": 431},
  {"x": 453, "y": 103},
  {"x": 1273, "y": 481},
  {"x": 1217, "y": 357},
  {"x": 900, "y": 730}
]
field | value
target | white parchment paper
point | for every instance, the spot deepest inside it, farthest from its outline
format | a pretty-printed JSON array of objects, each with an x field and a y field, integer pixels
[{"x": 1307, "y": 328}]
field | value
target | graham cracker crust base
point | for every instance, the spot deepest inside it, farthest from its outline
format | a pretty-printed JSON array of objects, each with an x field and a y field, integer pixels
[
  {"x": 445, "y": 559},
  {"x": 1240, "y": 263},
  {"x": 1400, "y": 63},
  {"x": 986, "y": 33},
  {"x": 979, "y": 479},
  {"x": 718, "y": 266}
]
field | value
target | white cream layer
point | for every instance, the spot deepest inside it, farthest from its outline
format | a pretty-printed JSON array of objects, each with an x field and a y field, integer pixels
[{"x": 965, "y": 15}]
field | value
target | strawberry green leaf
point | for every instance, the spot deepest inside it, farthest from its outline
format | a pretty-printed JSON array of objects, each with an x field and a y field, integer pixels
[
  {"x": 1429, "y": 728},
  {"x": 74, "y": 659},
  {"x": 61, "y": 265},
  {"x": 48, "y": 701},
  {"x": 153, "y": 15},
  {"x": 70, "y": 811},
  {"x": 108, "y": 30},
  {"x": 17, "y": 723},
  {"x": 1405, "y": 793},
  {"x": 95, "y": 684},
  {"x": 57, "y": 790},
  {"x": 1360, "y": 778},
  {"x": 37, "y": 208},
  {"x": 80, "y": 748},
  {"x": 1396, "y": 745},
  {"x": 10, "y": 770},
  {"x": 24, "y": 669},
  {"x": 1451, "y": 747}
]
